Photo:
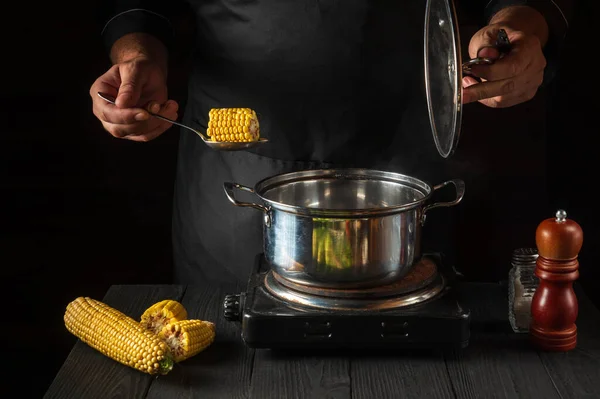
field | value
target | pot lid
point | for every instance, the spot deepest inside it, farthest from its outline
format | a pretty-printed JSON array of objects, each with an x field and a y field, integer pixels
[{"x": 443, "y": 74}]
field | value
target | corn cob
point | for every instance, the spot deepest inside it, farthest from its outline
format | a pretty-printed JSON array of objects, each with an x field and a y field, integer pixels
[
  {"x": 117, "y": 336},
  {"x": 233, "y": 124},
  {"x": 187, "y": 338},
  {"x": 162, "y": 313}
]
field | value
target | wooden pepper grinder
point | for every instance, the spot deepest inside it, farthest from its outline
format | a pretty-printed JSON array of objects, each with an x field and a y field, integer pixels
[{"x": 554, "y": 305}]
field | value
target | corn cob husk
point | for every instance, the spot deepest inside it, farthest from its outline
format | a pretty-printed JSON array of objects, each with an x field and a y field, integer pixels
[
  {"x": 233, "y": 125},
  {"x": 187, "y": 338},
  {"x": 117, "y": 336},
  {"x": 162, "y": 313}
]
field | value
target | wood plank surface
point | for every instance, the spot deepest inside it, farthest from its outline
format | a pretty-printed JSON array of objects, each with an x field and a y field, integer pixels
[
  {"x": 224, "y": 369},
  {"x": 496, "y": 366},
  {"x": 297, "y": 375},
  {"x": 498, "y": 363},
  {"x": 89, "y": 374},
  {"x": 576, "y": 374},
  {"x": 408, "y": 375}
]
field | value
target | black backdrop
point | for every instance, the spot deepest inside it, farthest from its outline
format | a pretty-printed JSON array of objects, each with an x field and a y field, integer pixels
[{"x": 81, "y": 210}]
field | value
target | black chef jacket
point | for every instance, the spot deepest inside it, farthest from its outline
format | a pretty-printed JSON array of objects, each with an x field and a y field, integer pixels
[{"x": 335, "y": 83}]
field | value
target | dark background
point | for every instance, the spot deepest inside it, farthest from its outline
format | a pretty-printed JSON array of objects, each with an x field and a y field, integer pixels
[{"x": 82, "y": 211}]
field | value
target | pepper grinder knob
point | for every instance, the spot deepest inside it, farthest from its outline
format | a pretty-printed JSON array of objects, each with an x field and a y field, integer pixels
[{"x": 554, "y": 306}]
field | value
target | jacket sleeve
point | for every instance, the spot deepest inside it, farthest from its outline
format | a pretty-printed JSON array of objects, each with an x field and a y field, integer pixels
[
  {"x": 139, "y": 16},
  {"x": 558, "y": 15}
]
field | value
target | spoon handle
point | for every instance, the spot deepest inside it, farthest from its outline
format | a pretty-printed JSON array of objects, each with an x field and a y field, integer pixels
[
  {"x": 110, "y": 99},
  {"x": 176, "y": 123}
]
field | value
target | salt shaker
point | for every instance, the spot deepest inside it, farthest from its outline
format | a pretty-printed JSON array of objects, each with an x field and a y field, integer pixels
[
  {"x": 521, "y": 288},
  {"x": 554, "y": 307}
]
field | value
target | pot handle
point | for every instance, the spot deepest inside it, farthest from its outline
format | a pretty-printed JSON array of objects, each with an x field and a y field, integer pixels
[
  {"x": 229, "y": 187},
  {"x": 459, "y": 185}
]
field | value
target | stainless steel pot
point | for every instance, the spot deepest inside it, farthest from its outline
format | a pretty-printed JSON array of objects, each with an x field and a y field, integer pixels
[{"x": 343, "y": 227}]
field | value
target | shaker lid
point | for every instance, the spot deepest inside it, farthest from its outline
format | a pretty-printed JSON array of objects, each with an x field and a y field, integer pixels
[
  {"x": 524, "y": 255},
  {"x": 443, "y": 74}
]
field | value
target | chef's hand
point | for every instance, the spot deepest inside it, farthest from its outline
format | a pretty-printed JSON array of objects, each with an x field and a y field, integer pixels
[
  {"x": 516, "y": 77},
  {"x": 139, "y": 85}
]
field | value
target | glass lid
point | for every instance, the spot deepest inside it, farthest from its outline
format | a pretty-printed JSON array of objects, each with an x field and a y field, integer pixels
[{"x": 443, "y": 74}]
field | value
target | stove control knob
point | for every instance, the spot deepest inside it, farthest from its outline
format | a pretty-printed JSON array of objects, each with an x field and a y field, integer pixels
[{"x": 233, "y": 306}]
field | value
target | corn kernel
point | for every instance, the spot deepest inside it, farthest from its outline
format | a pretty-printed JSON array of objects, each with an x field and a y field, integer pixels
[
  {"x": 230, "y": 124},
  {"x": 114, "y": 334}
]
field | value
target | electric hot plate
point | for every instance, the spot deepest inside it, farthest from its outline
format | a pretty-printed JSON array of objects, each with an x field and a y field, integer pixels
[{"x": 420, "y": 311}]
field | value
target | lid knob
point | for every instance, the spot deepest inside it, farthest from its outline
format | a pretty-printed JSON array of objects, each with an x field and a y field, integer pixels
[{"x": 559, "y": 238}]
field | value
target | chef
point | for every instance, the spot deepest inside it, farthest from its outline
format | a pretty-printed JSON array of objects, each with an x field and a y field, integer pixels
[{"x": 336, "y": 83}]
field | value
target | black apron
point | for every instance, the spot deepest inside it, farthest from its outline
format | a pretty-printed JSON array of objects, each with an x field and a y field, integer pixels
[{"x": 336, "y": 83}]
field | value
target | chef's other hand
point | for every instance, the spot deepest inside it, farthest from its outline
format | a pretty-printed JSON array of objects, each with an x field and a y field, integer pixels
[
  {"x": 139, "y": 85},
  {"x": 514, "y": 78}
]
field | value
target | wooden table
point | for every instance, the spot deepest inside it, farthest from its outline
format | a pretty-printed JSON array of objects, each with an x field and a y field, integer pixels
[{"x": 497, "y": 363}]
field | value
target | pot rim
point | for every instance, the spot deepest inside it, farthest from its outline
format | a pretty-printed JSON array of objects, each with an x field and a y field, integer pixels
[{"x": 356, "y": 173}]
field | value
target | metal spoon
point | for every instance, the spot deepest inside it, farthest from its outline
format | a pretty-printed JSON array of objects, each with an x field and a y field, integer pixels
[{"x": 217, "y": 145}]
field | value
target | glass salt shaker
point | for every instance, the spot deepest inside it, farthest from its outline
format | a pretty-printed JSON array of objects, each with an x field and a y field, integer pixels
[{"x": 522, "y": 283}]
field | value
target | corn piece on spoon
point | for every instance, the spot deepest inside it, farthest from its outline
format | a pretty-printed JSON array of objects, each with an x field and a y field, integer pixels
[{"x": 217, "y": 145}]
